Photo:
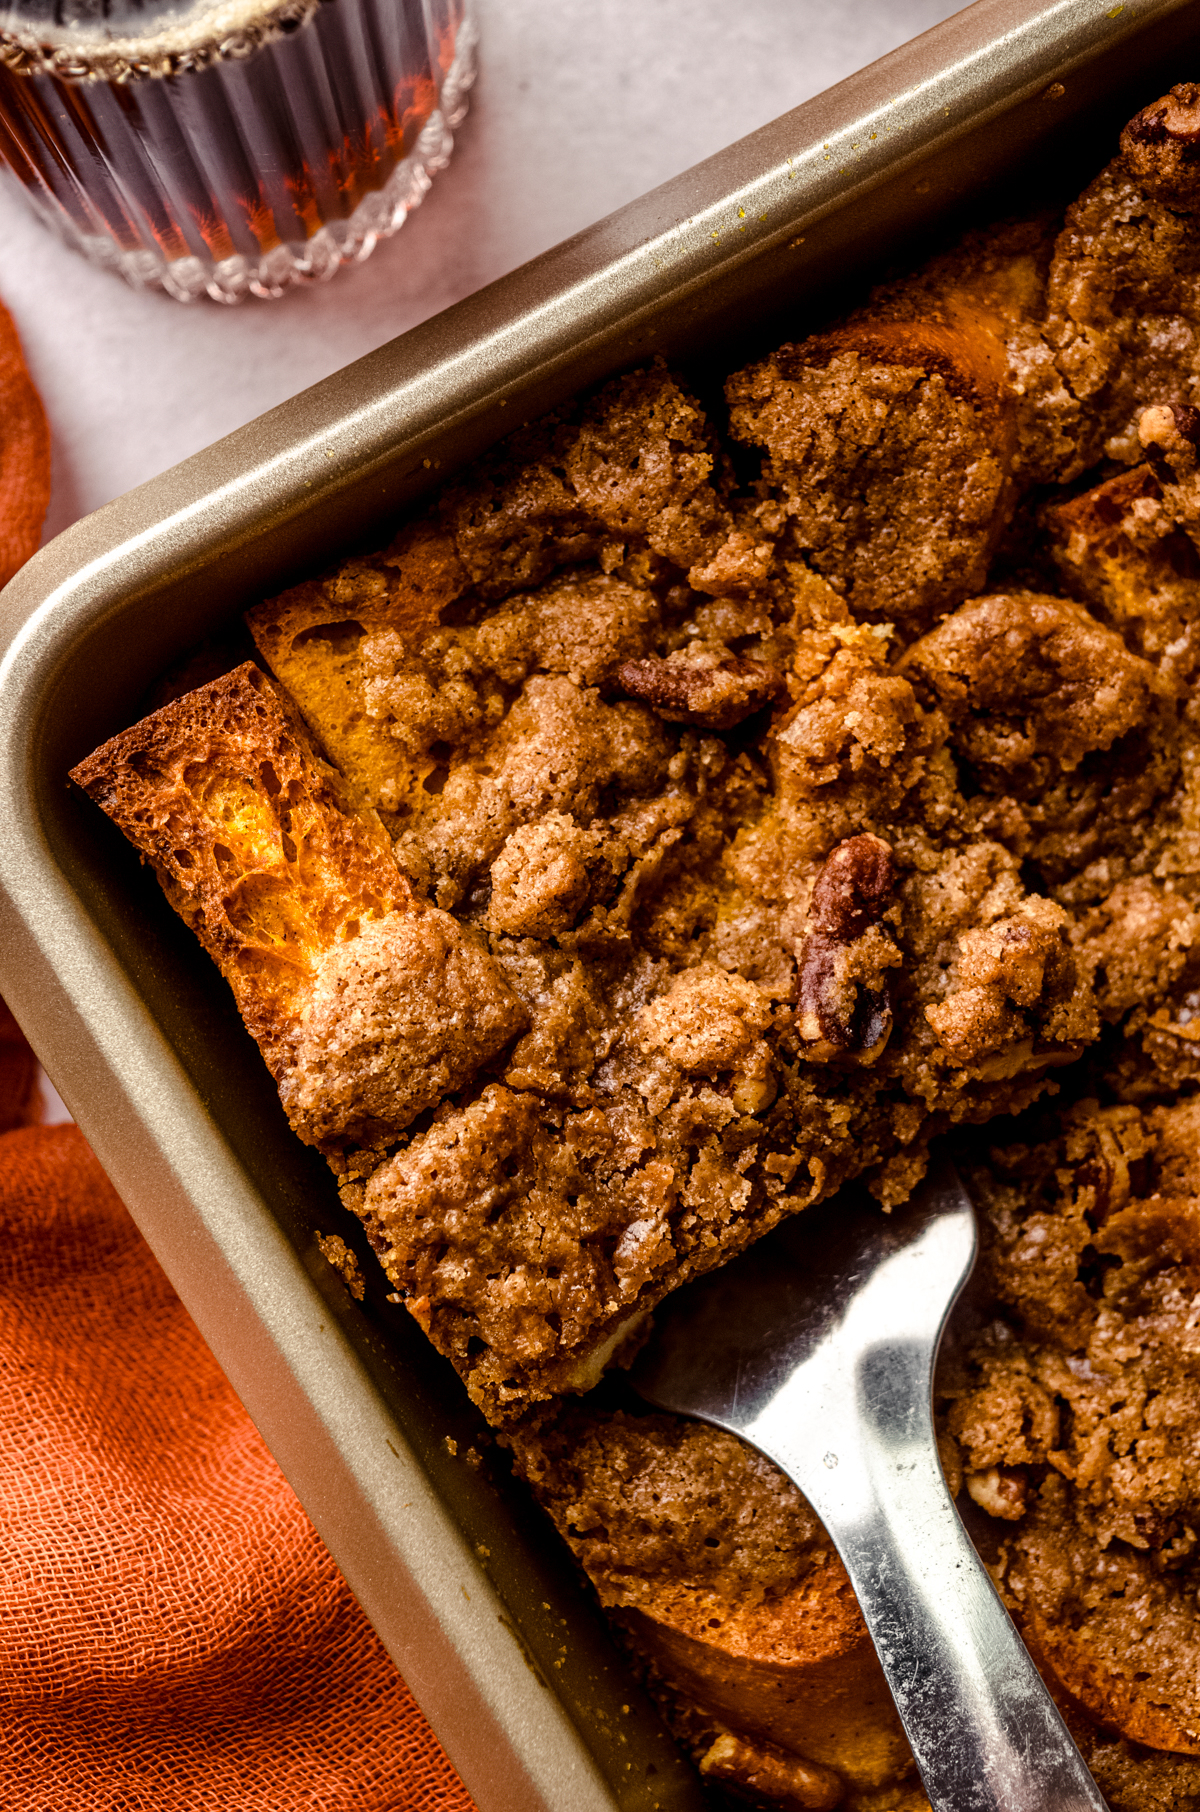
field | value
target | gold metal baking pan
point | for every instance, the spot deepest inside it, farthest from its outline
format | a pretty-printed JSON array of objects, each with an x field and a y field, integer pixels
[{"x": 1008, "y": 103}]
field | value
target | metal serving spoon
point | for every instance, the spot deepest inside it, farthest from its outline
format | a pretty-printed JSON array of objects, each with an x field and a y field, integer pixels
[{"x": 817, "y": 1346}]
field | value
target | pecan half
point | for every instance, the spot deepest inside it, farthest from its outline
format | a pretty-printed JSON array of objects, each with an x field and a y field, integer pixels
[
  {"x": 840, "y": 1013},
  {"x": 836, "y": 1015},
  {"x": 711, "y": 698},
  {"x": 1102, "y": 1182},
  {"x": 854, "y": 889},
  {"x": 1161, "y": 147}
]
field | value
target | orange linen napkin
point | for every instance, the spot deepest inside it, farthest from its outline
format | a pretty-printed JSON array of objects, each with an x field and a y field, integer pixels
[
  {"x": 24, "y": 456},
  {"x": 174, "y": 1637}
]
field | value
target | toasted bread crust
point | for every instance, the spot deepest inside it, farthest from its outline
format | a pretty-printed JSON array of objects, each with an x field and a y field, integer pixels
[
  {"x": 292, "y": 888},
  {"x": 257, "y": 842},
  {"x": 311, "y": 638}
]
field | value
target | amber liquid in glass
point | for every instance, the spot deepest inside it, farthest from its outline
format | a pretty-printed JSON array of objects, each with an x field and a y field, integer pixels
[{"x": 260, "y": 166}]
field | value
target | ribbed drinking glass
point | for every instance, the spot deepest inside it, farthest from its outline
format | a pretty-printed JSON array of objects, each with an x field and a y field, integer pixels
[{"x": 231, "y": 147}]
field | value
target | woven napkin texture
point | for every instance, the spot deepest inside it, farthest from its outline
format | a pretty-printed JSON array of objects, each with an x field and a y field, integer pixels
[
  {"x": 173, "y": 1634},
  {"x": 24, "y": 455}
]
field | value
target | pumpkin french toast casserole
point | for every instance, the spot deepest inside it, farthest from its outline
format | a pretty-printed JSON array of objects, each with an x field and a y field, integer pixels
[{"x": 695, "y": 809}]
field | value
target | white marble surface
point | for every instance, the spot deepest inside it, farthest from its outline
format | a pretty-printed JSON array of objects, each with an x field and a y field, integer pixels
[{"x": 580, "y": 106}]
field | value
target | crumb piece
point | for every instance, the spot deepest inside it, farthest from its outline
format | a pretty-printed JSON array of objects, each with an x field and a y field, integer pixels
[
  {"x": 1002, "y": 1492},
  {"x": 540, "y": 879},
  {"x": 338, "y": 1255},
  {"x": 1024, "y": 677},
  {"x": 1172, "y": 431},
  {"x": 889, "y": 446},
  {"x": 642, "y": 462},
  {"x": 1014, "y": 988},
  {"x": 1161, "y": 146},
  {"x": 1143, "y": 943},
  {"x": 765, "y": 1771},
  {"x": 707, "y": 1021},
  {"x": 560, "y": 750},
  {"x": 399, "y": 1016},
  {"x": 1121, "y": 316},
  {"x": 637, "y": 464}
]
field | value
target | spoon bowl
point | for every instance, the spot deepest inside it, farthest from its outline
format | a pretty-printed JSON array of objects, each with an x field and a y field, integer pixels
[{"x": 817, "y": 1346}]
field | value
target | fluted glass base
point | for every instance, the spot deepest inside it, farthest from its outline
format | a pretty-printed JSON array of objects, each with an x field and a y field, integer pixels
[{"x": 249, "y": 176}]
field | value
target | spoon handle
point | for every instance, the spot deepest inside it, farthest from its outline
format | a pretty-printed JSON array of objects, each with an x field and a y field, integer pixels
[{"x": 985, "y": 1732}]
